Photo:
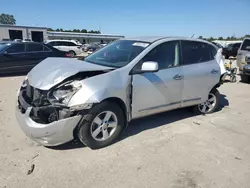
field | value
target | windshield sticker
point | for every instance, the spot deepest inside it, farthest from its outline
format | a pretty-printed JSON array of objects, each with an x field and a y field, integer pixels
[{"x": 144, "y": 45}]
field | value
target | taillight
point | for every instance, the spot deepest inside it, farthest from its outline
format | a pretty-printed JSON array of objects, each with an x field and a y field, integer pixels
[{"x": 67, "y": 55}]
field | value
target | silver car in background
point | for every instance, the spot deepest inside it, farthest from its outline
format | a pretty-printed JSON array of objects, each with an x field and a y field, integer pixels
[
  {"x": 95, "y": 99},
  {"x": 243, "y": 60}
]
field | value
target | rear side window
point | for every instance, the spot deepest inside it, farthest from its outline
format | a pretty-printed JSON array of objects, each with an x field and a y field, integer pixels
[
  {"x": 246, "y": 45},
  {"x": 197, "y": 52},
  {"x": 34, "y": 47},
  {"x": 46, "y": 49},
  {"x": 16, "y": 48},
  {"x": 69, "y": 44},
  {"x": 52, "y": 43}
]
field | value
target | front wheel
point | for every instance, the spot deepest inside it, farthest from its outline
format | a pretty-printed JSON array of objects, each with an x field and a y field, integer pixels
[
  {"x": 102, "y": 125},
  {"x": 210, "y": 105}
]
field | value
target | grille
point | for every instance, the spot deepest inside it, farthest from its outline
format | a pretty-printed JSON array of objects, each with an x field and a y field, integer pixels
[{"x": 35, "y": 97}]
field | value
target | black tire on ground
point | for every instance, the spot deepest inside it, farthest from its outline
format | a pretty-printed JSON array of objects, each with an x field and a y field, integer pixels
[
  {"x": 84, "y": 128},
  {"x": 244, "y": 78},
  {"x": 72, "y": 53},
  {"x": 215, "y": 93}
]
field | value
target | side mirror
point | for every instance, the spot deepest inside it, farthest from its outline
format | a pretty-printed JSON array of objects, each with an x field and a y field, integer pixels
[{"x": 149, "y": 66}]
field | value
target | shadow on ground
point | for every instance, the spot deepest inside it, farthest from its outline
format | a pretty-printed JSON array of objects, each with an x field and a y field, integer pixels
[
  {"x": 23, "y": 73},
  {"x": 139, "y": 125}
]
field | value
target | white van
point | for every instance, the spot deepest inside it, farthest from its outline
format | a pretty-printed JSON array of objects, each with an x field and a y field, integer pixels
[{"x": 71, "y": 46}]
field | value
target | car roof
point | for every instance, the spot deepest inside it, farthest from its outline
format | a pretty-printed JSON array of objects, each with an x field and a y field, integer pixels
[
  {"x": 13, "y": 42},
  {"x": 60, "y": 40},
  {"x": 151, "y": 39}
]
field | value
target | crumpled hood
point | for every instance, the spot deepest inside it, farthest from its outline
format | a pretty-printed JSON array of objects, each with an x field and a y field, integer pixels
[{"x": 52, "y": 71}]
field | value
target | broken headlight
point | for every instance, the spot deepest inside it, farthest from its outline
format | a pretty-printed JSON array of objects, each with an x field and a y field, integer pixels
[{"x": 64, "y": 93}]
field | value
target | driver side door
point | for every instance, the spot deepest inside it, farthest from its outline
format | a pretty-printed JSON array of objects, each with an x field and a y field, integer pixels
[{"x": 155, "y": 92}]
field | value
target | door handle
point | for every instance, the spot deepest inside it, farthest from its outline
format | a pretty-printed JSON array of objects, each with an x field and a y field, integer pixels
[
  {"x": 177, "y": 77},
  {"x": 214, "y": 71}
]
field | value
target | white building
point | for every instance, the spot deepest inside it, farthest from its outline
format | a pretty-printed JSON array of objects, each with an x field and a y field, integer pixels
[
  {"x": 40, "y": 34},
  {"x": 83, "y": 37},
  {"x": 21, "y": 32}
]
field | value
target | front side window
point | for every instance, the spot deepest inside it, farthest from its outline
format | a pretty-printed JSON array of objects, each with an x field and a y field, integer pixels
[
  {"x": 33, "y": 47},
  {"x": 197, "y": 52},
  {"x": 117, "y": 54},
  {"x": 16, "y": 48},
  {"x": 246, "y": 45},
  {"x": 165, "y": 54}
]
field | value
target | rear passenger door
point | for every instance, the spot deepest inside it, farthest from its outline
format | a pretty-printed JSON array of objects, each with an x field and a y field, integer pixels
[{"x": 201, "y": 71}]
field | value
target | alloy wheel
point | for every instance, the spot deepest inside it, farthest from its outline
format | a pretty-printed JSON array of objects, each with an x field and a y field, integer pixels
[
  {"x": 104, "y": 126},
  {"x": 208, "y": 105}
]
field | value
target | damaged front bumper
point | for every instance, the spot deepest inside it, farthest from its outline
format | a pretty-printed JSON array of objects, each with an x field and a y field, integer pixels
[{"x": 52, "y": 133}]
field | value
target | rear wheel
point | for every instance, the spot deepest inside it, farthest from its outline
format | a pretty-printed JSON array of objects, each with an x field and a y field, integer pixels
[
  {"x": 210, "y": 105},
  {"x": 102, "y": 125},
  {"x": 72, "y": 53}
]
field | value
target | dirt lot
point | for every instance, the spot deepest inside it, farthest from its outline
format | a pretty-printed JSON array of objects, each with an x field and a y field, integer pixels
[{"x": 174, "y": 149}]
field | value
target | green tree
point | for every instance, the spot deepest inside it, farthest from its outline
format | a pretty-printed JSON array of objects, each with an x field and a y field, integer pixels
[
  {"x": 200, "y": 37},
  {"x": 84, "y": 31},
  {"x": 7, "y": 19},
  {"x": 220, "y": 38},
  {"x": 50, "y": 29},
  {"x": 57, "y": 29}
]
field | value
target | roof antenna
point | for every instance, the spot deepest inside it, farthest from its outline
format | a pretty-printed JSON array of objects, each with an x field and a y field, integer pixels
[{"x": 192, "y": 35}]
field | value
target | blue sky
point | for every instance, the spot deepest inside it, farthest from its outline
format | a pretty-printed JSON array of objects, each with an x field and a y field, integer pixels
[{"x": 136, "y": 17}]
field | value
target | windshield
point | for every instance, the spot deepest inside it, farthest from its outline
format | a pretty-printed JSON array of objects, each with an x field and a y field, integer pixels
[
  {"x": 117, "y": 54},
  {"x": 2, "y": 46}
]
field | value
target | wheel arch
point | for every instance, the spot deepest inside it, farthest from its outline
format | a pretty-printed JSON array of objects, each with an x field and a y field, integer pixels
[{"x": 120, "y": 103}]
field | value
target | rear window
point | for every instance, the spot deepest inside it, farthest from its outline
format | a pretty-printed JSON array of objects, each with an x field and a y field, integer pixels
[{"x": 246, "y": 45}]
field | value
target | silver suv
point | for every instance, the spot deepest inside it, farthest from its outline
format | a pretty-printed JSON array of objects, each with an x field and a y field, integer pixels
[
  {"x": 95, "y": 99},
  {"x": 243, "y": 60}
]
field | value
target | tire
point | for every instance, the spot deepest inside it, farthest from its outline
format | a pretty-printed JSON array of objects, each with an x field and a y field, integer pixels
[
  {"x": 88, "y": 130},
  {"x": 72, "y": 53},
  {"x": 215, "y": 105},
  {"x": 244, "y": 78},
  {"x": 233, "y": 78}
]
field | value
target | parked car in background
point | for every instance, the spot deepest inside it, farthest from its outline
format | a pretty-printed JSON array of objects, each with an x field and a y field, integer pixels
[
  {"x": 218, "y": 45},
  {"x": 231, "y": 50},
  {"x": 23, "y": 56},
  {"x": 95, "y": 99},
  {"x": 243, "y": 60},
  {"x": 27, "y": 40},
  {"x": 71, "y": 46},
  {"x": 17, "y": 40}
]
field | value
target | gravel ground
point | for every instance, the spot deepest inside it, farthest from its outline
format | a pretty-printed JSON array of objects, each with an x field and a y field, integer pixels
[{"x": 173, "y": 149}]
